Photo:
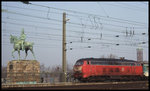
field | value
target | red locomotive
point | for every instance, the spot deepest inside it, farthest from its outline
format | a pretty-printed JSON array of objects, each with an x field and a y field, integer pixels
[{"x": 102, "y": 69}]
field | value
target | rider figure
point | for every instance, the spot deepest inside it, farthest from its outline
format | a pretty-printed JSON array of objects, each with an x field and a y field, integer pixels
[{"x": 22, "y": 38}]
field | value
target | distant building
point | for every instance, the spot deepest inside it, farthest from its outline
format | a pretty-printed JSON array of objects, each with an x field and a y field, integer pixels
[{"x": 139, "y": 54}]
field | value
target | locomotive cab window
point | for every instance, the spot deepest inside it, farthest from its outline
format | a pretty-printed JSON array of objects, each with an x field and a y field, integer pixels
[
  {"x": 79, "y": 63},
  {"x": 95, "y": 63},
  {"x": 138, "y": 65}
]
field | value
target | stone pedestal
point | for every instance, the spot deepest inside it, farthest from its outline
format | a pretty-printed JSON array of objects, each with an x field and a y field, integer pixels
[{"x": 23, "y": 71}]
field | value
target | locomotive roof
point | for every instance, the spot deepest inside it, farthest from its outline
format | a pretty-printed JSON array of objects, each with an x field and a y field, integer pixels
[{"x": 106, "y": 59}]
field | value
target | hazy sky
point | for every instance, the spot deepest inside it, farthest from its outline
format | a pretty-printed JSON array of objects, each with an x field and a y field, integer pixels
[{"x": 92, "y": 29}]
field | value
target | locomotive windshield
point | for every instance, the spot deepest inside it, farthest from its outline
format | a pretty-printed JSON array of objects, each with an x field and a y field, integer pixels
[{"x": 79, "y": 63}]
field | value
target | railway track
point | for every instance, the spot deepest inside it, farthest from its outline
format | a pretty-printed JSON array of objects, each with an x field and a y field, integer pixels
[{"x": 132, "y": 85}]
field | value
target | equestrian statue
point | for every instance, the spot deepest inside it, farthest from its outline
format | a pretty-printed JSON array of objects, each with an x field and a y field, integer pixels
[{"x": 21, "y": 44}]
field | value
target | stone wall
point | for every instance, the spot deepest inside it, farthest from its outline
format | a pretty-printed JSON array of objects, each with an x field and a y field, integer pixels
[{"x": 23, "y": 71}]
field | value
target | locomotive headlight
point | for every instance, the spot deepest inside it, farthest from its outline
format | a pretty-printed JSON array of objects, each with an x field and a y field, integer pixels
[
  {"x": 78, "y": 68},
  {"x": 146, "y": 74}
]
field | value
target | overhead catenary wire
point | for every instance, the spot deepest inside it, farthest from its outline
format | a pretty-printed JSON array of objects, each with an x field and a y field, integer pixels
[
  {"x": 69, "y": 22},
  {"x": 61, "y": 13},
  {"x": 49, "y": 35},
  {"x": 38, "y": 45},
  {"x": 103, "y": 9},
  {"x": 97, "y": 38},
  {"x": 44, "y": 11},
  {"x": 25, "y": 20},
  {"x": 86, "y": 13},
  {"x": 75, "y": 31},
  {"x": 126, "y": 6},
  {"x": 55, "y": 19},
  {"x": 55, "y": 28},
  {"x": 59, "y": 21},
  {"x": 68, "y": 14},
  {"x": 107, "y": 19},
  {"x": 107, "y": 29},
  {"x": 132, "y": 5},
  {"x": 101, "y": 43},
  {"x": 74, "y": 48}
]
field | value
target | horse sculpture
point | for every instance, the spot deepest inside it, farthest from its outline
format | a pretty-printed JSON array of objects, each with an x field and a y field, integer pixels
[{"x": 17, "y": 46}]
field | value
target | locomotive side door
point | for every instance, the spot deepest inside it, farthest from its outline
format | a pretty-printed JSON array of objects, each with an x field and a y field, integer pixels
[
  {"x": 89, "y": 67},
  {"x": 93, "y": 68},
  {"x": 133, "y": 66}
]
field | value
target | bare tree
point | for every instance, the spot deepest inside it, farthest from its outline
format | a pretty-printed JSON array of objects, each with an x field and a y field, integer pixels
[
  {"x": 55, "y": 72},
  {"x": 109, "y": 56},
  {"x": 112, "y": 56},
  {"x": 103, "y": 56},
  {"x": 42, "y": 67}
]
